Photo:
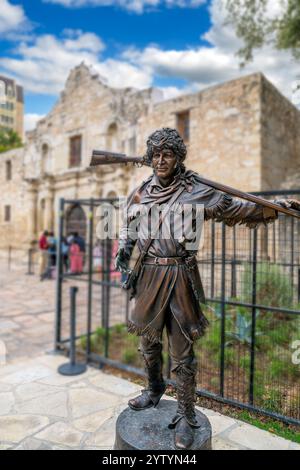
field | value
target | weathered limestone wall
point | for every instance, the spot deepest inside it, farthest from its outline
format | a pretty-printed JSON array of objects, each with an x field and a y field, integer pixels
[
  {"x": 280, "y": 134},
  {"x": 243, "y": 133},
  {"x": 13, "y": 194},
  {"x": 225, "y": 142}
]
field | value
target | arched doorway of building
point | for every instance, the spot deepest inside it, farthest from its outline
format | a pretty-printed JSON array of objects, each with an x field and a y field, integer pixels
[{"x": 76, "y": 221}]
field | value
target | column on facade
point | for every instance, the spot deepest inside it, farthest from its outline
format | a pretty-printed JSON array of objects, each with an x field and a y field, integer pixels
[
  {"x": 32, "y": 213},
  {"x": 49, "y": 211}
]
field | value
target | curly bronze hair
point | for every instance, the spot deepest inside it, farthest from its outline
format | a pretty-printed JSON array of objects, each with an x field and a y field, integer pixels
[{"x": 167, "y": 138}]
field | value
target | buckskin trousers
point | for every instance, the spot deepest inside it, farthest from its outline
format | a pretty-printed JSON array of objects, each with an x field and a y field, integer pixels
[{"x": 184, "y": 366}]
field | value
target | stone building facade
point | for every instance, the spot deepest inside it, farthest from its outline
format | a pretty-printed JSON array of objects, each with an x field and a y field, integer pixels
[{"x": 243, "y": 133}]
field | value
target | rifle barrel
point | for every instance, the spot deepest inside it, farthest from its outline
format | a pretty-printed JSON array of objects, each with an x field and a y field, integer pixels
[{"x": 102, "y": 157}]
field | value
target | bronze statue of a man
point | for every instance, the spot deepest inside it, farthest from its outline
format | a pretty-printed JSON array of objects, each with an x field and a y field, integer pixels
[{"x": 169, "y": 289}]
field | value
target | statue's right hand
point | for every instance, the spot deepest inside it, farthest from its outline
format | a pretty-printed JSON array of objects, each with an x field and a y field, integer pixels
[{"x": 121, "y": 262}]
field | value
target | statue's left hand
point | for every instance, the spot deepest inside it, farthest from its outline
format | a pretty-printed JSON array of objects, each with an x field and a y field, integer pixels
[{"x": 289, "y": 203}]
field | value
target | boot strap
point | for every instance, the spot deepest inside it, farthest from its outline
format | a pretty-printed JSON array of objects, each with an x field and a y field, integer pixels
[{"x": 178, "y": 417}]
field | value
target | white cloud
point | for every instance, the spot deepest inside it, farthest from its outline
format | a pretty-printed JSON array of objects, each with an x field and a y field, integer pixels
[
  {"x": 30, "y": 120},
  {"x": 121, "y": 74},
  {"x": 12, "y": 17},
  {"x": 216, "y": 62},
  {"x": 136, "y": 6},
  {"x": 45, "y": 63}
]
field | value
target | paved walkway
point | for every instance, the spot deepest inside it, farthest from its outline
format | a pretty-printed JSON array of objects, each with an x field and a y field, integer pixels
[
  {"x": 27, "y": 311},
  {"x": 40, "y": 409},
  {"x": 26, "y": 314}
]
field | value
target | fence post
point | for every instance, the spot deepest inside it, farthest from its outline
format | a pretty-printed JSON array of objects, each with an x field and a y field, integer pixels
[
  {"x": 9, "y": 258},
  {"x": 298, "y": 284},
  {"x": 253, "y": 324},
  {"x": 29, "y": 264},
  {"x": 107, "y": 264},
  {"x": 212, "y": 272},
  {"x": 233, "y": 278},
  {"x": 223, "y": 311},
  {"x": 59, "y": 274},
  {"x": 90, "y": 278},
  {"x": 72, "y": 368}
]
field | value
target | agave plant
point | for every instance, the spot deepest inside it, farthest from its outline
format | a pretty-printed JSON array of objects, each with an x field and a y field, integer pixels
[{"x": 242, "y": 333}]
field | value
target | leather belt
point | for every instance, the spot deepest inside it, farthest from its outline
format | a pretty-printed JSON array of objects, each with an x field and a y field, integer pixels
[{"x": 159, "y": 261}]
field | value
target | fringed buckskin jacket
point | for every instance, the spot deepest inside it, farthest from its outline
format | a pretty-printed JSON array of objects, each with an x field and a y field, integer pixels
[{"x": 178, "y": 288}]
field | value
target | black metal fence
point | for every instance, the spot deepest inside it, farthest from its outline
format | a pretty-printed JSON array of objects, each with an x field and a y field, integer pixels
[{"x": 250, "y": 356}]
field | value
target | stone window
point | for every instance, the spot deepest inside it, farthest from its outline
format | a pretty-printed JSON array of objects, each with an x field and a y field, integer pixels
[
  {"x": 183, "y": 125},
  {"x": 112, "y": 143},
  {"x": 45, "y": 158},
  {"x": 8, "y": 172},
  {"x": 75, "y": 151},
  {"x": 7, "y": 214}
]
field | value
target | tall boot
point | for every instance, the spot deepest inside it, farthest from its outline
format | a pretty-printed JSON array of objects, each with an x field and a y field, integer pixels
[
  {"x": 156, "y": 385},
  {"x": 185, "y": 420}
]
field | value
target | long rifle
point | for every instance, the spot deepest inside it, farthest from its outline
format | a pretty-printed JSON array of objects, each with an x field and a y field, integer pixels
[{"x": 102, "y": 157}]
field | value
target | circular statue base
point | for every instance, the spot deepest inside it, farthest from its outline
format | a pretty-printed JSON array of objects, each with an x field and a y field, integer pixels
[{"x": 148, "y": 429}]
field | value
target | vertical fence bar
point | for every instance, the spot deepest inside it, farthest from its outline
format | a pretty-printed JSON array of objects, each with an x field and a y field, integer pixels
[
  {"x": 103, "y": 290},
  {"x": 212, "y": 269},
  {"x": 107, "y": 296},
  {"x": 233, "y": 265},
  {"x": 73, "y": 293},
  {"x": 90, "y": 278},
  {"x": 298, "y": 284},
  {"x": 9, "y": 258},
  {"x": 292, "y": 254},
  {"x": 29, "y": 261},
  {"x": 223, "y": 312},
  {"x": 59, "y": 273},
  {"x": 253, "y": 324},
  {"x": 274, "y": 241}
]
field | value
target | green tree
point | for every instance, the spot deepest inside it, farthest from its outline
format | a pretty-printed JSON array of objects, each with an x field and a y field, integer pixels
[
  {"x": 255, "y": 24},
  {"x": 9, "y": 139}
]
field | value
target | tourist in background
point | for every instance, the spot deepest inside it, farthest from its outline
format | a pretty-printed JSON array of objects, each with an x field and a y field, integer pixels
[
  {"x": 76, "y": 258},
  {"x": 43, "y": 246}
]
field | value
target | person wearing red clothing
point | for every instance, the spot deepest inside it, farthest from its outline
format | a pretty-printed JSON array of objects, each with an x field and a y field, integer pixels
[{"x": 43, "y": 246}]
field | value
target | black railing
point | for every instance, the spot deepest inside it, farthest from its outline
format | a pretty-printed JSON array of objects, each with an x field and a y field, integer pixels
[{"x": 252, "y": 281}]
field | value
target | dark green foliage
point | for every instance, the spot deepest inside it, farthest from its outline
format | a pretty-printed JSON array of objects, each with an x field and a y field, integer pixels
[
  {"x": 273, "y": 286},
  {"x": 255, "y": 25},
  {"x": 9, "y": 139}
]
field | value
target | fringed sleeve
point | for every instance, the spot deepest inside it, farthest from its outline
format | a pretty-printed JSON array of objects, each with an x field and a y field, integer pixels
[{"x": 234, "y": 211}]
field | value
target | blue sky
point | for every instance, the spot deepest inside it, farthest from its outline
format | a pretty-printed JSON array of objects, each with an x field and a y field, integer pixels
[{"x": 179, "y": 46}]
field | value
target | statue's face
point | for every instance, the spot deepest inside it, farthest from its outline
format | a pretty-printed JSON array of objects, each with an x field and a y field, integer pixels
[{"x": 164, "y": 162}]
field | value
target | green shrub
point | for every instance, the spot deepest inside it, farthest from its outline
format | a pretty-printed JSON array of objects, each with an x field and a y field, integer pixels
[
  {"x": 273, "y": 286},
  {"x": 273, "y": 400},
  {"x": 119, "y": 328},
  {"x": 129, "y": 356},
  {"x": 100, "y": 332},
  {"x": 244, "y": 362}
]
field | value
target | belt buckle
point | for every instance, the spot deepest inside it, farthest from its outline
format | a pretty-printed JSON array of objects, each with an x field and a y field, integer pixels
[{"x": 156, "y": 261}]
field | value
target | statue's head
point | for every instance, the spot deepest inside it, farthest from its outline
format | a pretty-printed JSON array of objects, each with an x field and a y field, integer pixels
[{"x": 166, "y": 151}]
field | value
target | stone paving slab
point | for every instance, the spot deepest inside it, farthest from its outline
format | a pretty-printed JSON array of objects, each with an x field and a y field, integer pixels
[
  {"x": 27, "y": 314},
  {"x": 40, "y": 409}
]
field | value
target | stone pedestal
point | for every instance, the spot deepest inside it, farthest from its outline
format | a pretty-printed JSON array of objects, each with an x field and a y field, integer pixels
[{"x": 148, "y": 429}]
